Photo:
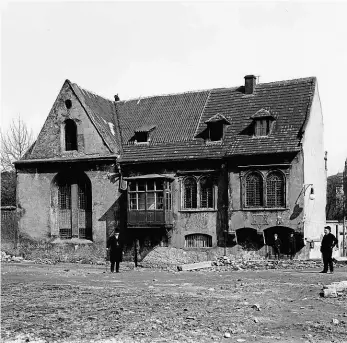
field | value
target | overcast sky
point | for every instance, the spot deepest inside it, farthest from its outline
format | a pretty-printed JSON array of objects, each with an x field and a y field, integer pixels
[{"x": 146, "y": 48}]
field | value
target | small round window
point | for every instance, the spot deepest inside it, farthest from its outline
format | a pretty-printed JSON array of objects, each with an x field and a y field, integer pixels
[{"x": 68, "y": 104}]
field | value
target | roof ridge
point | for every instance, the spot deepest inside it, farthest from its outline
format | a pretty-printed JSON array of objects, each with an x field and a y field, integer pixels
[
  {"x": 170, "y": 94},
  {"x": 301, "y": 79},
  {"x": 91, "y": 92}
]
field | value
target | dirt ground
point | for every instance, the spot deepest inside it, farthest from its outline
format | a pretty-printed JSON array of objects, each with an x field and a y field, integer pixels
[{"x": 86, "y": 303}]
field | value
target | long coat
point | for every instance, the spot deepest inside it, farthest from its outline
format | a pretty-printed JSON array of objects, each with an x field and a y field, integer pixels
[
  {"x": 328, "y": 243},
  {"x": 115, "y": 248},
  {"x": 292, "y": 244}
]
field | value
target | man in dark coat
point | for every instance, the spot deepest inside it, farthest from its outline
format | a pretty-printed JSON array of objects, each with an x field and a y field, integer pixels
[
  {"x": 292, "y": 245},
  {"x": 327, "y": 245},
  {"x": 115, "y": 250},
  {"x": 277, "y": 246}
]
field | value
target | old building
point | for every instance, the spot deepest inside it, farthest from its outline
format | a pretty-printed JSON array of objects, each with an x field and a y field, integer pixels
[{"x": 220, "y": 167}]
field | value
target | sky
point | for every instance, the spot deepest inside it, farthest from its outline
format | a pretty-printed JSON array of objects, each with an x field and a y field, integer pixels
[{"x": 145, "y": 48}]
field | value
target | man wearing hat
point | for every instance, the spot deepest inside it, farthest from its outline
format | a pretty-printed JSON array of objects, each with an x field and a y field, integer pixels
[
  {"x": 327, "y": 245},
  {"x": 115, "y": 249}
]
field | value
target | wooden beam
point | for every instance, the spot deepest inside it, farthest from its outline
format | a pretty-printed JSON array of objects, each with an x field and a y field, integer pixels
[{"x": 193, "y": 266}]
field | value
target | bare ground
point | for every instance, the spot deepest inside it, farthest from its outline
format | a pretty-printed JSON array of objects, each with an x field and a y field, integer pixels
[{"x": 84, "y": 303}]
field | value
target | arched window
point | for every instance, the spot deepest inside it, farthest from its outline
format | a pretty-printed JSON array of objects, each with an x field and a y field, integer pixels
[
  {"x": 275, "y": 190},
  {"x": 254, "y": 190},
  {"x": 190, "y": 193},
  {"x": 206, "y": 192},
  {"x": 70, "y": 135}
]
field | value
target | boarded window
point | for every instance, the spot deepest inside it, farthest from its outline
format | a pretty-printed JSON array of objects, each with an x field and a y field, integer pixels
[
  {"x": 206, "y": 192},
  {"x": 254, "y": 190},
  {"x": 198, "y": 241},
  {"x": 70, "y": 135},
  {"x": 190, "y": 193},
  {"x": 275, "y": 193}
]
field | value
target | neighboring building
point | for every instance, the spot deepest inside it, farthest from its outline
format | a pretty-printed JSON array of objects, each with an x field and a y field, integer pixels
[
  {"x": 335, "y": 197},
  {"x": 219, "y": 167}
]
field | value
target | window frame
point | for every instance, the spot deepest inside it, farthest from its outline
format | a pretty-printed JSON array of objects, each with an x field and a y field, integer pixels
[
  {"x": 165, "y": 191},
  {"x": 212, "y": 129},
  {"x": 283, "y": 195},
  {"x": 264, "y": 174},
  {"x": 198, "y": 179},
  {"x": 261, "y": 125}
]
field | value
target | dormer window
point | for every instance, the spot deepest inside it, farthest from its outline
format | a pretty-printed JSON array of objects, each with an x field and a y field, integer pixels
[
  {"x": 215, "y": 128},
  {"x": 141, "y": 137},
  {"x": 263, "y": 120},
  {"x": 70, "y": 135},
  {"x": 215, "y": 131},
  {"x": 262, "y": 127},
  {"x": 142, "y": 134}
]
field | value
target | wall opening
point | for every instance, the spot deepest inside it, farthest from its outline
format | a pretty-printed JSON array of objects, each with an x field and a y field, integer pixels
[
  {"x": 73, "y": 205},
  {"x": 249, "y": 239},
  {"x": 70, "y": 135},
  {"x": 198, "y": 241}
]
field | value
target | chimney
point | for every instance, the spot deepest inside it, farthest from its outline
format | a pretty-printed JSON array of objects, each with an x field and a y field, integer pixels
[
  {"x": 116, "y": 97},
  {"x": 250, "y": 82}
]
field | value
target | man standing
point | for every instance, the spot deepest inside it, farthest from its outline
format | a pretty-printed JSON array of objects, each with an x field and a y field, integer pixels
[
  {"x": 292, "y": 245},
  {"x": 277, "y": 246},
  {"x": 328, "y": 243},
  {"x": 115, "y": 249}
]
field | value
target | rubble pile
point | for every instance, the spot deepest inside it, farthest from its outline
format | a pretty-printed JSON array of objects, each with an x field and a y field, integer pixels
[
  {"x": 234, "y": 263},
  {"x": 10, "y": 258},
  {"x": 335, "y": 289}
]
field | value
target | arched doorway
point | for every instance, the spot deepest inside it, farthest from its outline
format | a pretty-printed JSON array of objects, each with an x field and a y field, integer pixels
[
  {"x": 283, "y": 233},
  {"x": 74, "y": 205},
  {"x": 249, "y": 239}
]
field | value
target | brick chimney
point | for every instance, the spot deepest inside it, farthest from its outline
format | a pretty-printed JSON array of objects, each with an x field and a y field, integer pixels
[{"x": 250, "y": 82}]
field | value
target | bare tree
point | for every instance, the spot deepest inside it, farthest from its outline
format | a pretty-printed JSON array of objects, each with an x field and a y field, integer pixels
[{"x": 14, "y": 143}]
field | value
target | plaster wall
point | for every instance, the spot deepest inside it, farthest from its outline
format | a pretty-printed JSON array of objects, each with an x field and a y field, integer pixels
[
  {"x": 51, "y": 140},
  {"x": 38, "y": 215},
  {"x": 33, "y": 200},
  {"x": 264, "y": 218},
  {"x": 315, "y": 174}
]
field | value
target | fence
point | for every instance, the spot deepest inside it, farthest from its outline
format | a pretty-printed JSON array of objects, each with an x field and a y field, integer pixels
[{"x": 9, "y": 225}]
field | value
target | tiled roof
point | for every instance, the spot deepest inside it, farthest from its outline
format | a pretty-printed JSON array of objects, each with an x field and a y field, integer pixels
[
  {"x": 175, "y": 116},
  {"x": 217, "y": 118},
  {"x": 103, "y": 114},
  {"x": 180, "y": 117},
  {"x": 179, "y": 120}
]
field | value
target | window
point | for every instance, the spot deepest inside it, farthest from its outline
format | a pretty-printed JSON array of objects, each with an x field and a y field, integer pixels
[
  {"x": 206, "y": 192},
  {"x": 68, "y": 104},
  {"x": 264, "y": 189},
  {"x": 262, "y": 127},
  {"x": 190, "y": 193},
  {"x": 70, "y": 135},
  {"x": 198, "y": 241},
  {"x": 198, "y": 193},
  {"x": 149, "y": 195},
  {"x": 275, "y": 190},
  {"x": 216, "y": 131},
  {"x": 254, "y": 190},
  {"x": 141, "y": 137}
]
